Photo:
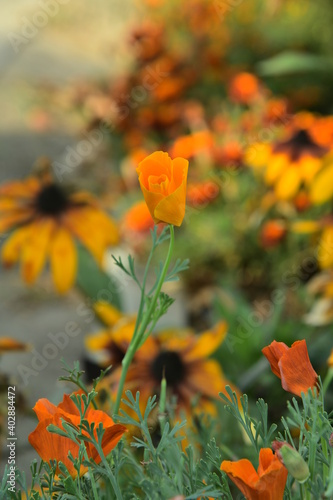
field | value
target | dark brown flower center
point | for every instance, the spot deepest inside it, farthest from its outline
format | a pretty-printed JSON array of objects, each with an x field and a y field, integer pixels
[
  {"x": 52, "y": 200},
  {"x": 169, "y": 364},
  {"x": 300, "y": 143}
]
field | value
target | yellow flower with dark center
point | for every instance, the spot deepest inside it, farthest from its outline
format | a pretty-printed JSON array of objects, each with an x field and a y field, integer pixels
[
  {"x": 289, "y": 165},
  {"x": 46, "y": 221},
  {"x": 182, "y": 357}
]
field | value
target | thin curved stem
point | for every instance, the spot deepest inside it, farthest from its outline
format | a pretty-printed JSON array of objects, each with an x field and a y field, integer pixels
[{"x": 142, "y": 324}]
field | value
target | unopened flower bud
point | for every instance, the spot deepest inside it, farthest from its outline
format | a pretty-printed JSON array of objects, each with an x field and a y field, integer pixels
[{"x": 292, "y": 460}]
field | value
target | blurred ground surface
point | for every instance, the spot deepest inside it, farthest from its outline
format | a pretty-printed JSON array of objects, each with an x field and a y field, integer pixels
[{"x": 83, "y": 41}]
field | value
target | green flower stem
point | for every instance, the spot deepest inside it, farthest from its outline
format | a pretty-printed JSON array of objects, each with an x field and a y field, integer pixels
[
  {"x": 327, "y": 381},
  {"x": 143, "y": 323}
]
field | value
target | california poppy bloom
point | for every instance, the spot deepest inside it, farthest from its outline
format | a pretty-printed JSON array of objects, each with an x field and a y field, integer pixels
[
  {"x": 267, "y": 483},
  {"x": 163, "y": 184},
  {"x": 182, "y": 357},
  {"x": 292, "y": 365},
  {"x": 51, "y": 446},
  {"x": 46, "y": 221}
]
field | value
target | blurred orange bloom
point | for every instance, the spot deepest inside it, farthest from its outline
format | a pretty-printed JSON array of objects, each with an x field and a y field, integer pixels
[
  {"x": 138, "y": 218},
  {"x": 292, "y": 365},
  {"x": 202, "y": 193},
  {"x": 244, "y": 87},
  {"x": 51, "y": 446},
  {"x": 272, "y": 233},
  {"x": 268, "y": 483},
  {"x": 46, "y": 220},
  {"x": 163, "y": 184},
  {"x": 190, "y": 145}
]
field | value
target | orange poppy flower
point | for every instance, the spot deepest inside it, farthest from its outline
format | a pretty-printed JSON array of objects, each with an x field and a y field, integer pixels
[
  {"x": 268, "y": 483},
  {"x": 244, "y": 88},
  {"x": 46, "y": 220},
  {"x": 51, "y": 446},
  {"x": 292, "y": 365},
  {"x": 189, "y": 145},
  {"x": 163, "y": 183}
]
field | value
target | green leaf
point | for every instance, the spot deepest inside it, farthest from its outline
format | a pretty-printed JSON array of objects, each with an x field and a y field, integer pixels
[
  {"x": 290, "y": 62},
  {"x": 94, "y": 282}
]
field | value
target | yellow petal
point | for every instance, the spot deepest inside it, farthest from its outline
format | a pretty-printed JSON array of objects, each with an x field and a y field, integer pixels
[
  {"x": 309, "y": 167},
  {"x": 207, "y": 342},
  {"x": 288, "y": 184},
  {"x": 325, "y": 249},
  {"x": 322, "y": 186},
  {"x": 206, "y": 378},
  {"x": 278, "y": 163},
  {"x": 152, "y": 200},
  {"x": 35, "y": 249},
  {"x": 108, "y": 313},
  {"x": 305, "y": 226},
  {"x": 11, "y": 249},
  {"x": 63, "y": 258},
  {"x": 98, "y": 341}
]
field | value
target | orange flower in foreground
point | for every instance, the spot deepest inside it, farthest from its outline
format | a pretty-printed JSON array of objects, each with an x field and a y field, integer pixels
[
  {"x": 51, "y": 446},
  {"x": 292, "y": 365},
  {"x": 268, "y": 483},
  {"x": 163, "y": 183}
]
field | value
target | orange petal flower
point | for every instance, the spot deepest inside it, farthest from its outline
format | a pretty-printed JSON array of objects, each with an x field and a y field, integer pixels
[
  {"x": 272, "y": 233},
  {"x": 292, "y": 365},
  {"x": 8, "y": 344},
  {"x": 51, "y": 446},
  {"x": 163, "y": 183},
  {"x": 268, "y": 483},
  {"x": 244, "y": 88}
]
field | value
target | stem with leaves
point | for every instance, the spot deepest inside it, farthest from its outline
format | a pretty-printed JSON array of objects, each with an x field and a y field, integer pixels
[{"x": 144, "y": 318}]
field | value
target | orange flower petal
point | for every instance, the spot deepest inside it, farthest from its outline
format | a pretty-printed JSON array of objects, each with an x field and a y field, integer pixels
[
  {"x": 297, "y": 373},
  {"x": 274, "y": 353},
  {"x": 163, "y": 183},
  {"x": 266, "y": 484}
]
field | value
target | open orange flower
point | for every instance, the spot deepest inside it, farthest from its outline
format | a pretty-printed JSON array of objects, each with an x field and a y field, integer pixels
[
  {"x": 163, "y": 183},
  {"x": 51, "y": 446},
  {"x": 268, "y": 483},
  {"x": 292, "y": 365}
]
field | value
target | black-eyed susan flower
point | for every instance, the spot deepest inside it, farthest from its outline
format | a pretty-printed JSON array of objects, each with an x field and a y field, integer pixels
[
  {"x": 45, "y": 221},
  {"x": 291, "y": 164},
  {"x": 183, "y": 359}
]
